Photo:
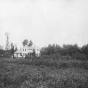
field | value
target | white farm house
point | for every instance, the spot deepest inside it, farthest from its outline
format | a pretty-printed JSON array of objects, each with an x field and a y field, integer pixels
[{"x": 27, "y": 50}]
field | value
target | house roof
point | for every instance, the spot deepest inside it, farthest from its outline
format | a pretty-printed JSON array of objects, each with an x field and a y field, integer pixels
[
  {"x": 31, "y": 47},
  {"x": 18, "y": 51}
]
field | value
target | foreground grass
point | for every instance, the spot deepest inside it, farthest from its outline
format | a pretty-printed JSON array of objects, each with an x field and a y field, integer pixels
[{"x": 33, "y": 74}]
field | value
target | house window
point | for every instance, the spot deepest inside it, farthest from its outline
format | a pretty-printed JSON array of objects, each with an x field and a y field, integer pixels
[{"x": 25, "y": 49}]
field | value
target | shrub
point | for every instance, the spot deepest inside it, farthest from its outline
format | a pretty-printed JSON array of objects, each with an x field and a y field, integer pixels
[
  {"x": 7, "y": 55},
  {"x": 28, "y": 56}
]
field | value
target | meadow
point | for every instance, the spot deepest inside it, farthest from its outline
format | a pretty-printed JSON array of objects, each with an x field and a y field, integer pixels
[{"x": 39, "y": 73}]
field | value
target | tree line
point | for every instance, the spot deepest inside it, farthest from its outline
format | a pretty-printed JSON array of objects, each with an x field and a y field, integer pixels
[
  {"x": 53, "y": 49},
  {"x": 66, "y": 50}
]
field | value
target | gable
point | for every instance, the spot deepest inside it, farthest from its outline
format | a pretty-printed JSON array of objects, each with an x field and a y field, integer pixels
[{"x": 18, "y": 51}]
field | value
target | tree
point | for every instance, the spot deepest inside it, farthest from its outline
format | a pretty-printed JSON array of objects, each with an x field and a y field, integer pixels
[
  {"x": 1, "y": 50},
  {"x": 85, "y": 49},
  {"x": 12, "y": 49},
  {"x": 25, "y": 42},
  {"x": 34, "y": 54},
  {"x": 30, "y": 43},
  {"x": 1, "y": 47},
  {"x": 49, "y": 50},
  {"x": 70, "y": 49},
  {"x": 16, "y": 48}
]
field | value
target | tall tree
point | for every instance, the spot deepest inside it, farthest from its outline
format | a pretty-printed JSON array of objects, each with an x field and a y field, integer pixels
[
  {"x": 30, "y": 43},
  {"x": 12, "y": 49},
  {"x": 25, "y": 42}
]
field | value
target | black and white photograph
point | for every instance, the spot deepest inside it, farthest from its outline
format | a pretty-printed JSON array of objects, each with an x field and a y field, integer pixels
[{"x": 43, "y": 43}]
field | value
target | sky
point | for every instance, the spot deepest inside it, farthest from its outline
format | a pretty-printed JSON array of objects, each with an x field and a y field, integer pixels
[{"x": 44, "y": 21}]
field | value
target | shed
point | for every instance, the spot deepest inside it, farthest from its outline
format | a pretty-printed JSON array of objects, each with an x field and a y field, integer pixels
[{"x": 18, "y": 53}]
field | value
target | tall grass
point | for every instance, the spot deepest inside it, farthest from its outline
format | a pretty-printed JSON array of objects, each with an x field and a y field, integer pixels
[
  {"x": 28, "y": 76},
  {"x": 51, "y": 63},
  {"x": 43, "y": 73}
]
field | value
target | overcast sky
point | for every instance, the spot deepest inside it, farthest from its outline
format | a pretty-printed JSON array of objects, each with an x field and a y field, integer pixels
[{"x": 44, "y": 21}]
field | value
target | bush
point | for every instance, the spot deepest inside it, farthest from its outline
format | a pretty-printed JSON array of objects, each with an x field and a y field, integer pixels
[
  {"x": 7, "y": 55},
  {"x": 28, "y": 56}
]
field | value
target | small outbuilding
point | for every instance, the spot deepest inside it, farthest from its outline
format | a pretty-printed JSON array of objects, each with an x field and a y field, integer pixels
[{"x": 18, "y": 53}]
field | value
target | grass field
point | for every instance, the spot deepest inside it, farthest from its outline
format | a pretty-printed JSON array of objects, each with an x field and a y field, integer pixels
[{"x": 24, "y": 73}]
